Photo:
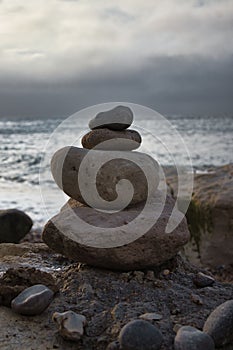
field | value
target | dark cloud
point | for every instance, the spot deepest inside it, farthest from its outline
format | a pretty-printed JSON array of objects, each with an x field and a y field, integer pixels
[{"x": 169, "y": 85}]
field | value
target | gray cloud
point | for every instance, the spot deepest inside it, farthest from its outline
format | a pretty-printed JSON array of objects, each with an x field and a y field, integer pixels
[
  {"x": 62, "y": 55},
  {"x": 180, "y": 84}
]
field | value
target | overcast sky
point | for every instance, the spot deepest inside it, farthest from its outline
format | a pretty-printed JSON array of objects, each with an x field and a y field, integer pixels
[{"x": 57, "y": 56}]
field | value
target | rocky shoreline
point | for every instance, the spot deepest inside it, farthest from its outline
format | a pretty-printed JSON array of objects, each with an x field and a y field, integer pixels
[
  {"x": 111, "y": 275},
  {"x": 107, "y": 299}
]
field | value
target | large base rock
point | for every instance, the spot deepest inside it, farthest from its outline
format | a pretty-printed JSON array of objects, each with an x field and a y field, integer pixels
[{"x": 64, "y": 235}]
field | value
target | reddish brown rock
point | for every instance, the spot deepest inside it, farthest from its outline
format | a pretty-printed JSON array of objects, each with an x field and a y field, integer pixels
[{"x": 125, "y": 140}]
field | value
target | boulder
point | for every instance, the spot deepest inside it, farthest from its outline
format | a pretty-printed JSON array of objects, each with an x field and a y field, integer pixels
[
  {"x": 118, "y": 118},
  {"x": 210, "y": 215},
  {"x": 87, "y": 240},
  {"x": 104, "y": 179},
  {"x": 125, "y": 140},
  {"x": 14, "y": 224}
]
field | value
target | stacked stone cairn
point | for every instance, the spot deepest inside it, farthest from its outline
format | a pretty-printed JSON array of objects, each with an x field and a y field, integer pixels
[{"x": 110, "y": 194}]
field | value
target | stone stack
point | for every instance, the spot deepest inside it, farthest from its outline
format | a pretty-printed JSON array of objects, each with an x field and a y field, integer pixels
[
  {"x": 112, "y": 126},
  {"x": 110, "y": 188}
]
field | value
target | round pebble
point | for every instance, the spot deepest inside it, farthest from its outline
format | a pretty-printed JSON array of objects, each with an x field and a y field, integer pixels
[
  {"x": 190, "y": 338},
  {"x": 118, "y": 118},
  {"x": 219, "y": 324},
  {"x": 105, "y": 139},
  {"x": 33, "y": 300},
  {"x": 140, "y": 335},
  {"x": 201, "y": 280}
]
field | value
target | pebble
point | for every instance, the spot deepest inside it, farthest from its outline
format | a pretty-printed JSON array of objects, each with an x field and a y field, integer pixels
[
  {"x": 33, "y": 300},
  {"x": 176, "y": 327},
  {"x": 86, "y": 288},
  {"x": 139, "y": 276},
  {"x": 166, "y": 272},
  {"x": 201, "y": 280},
  {"x": 115, "y": 345},
  {"x": 219, "y": 324},
  {"x": 71, "y": 325},
  {"x": 140, "y": 335},
  {"x": 159, "y": 284},
  {"x": 190, "y": 338},
  {"x": 196, "y": 299},
  {"x": 105, "y": 139},
  {"x": 119, "y": 311},
  {"x": 150, "y": 275},
  {"x": 151, "y": 316},
  {"x": 118, "y": 118}
]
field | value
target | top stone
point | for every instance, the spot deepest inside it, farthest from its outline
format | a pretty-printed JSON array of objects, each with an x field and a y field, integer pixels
[{"x": 118, "y": 118}]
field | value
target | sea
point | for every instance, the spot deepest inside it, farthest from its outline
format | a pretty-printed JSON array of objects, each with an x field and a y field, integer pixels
[{"x": 27, "y": 144}]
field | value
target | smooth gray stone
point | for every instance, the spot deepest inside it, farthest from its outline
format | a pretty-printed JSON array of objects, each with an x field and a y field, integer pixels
[
  {"x": 99, "y": 186},
  {"x": 33, "y": 300},
  {"x": 14, "y": 224},
  {"x": 140, "y": 335},
  {"x": 125, "y": 140},
  {"x": 190, "y": 338},
  {"x": 118, "y": 118},
  {"x": 219, "y": 324}
]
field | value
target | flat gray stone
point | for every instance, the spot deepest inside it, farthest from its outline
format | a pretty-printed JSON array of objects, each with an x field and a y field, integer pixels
[
  {"x": 118, "y": 118},
  {"x": 87, "y": 240},
  {"x": 105, "y": 139},
  {"x": 202, "y": 280},
  {"x": 151, "y": 316}
]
